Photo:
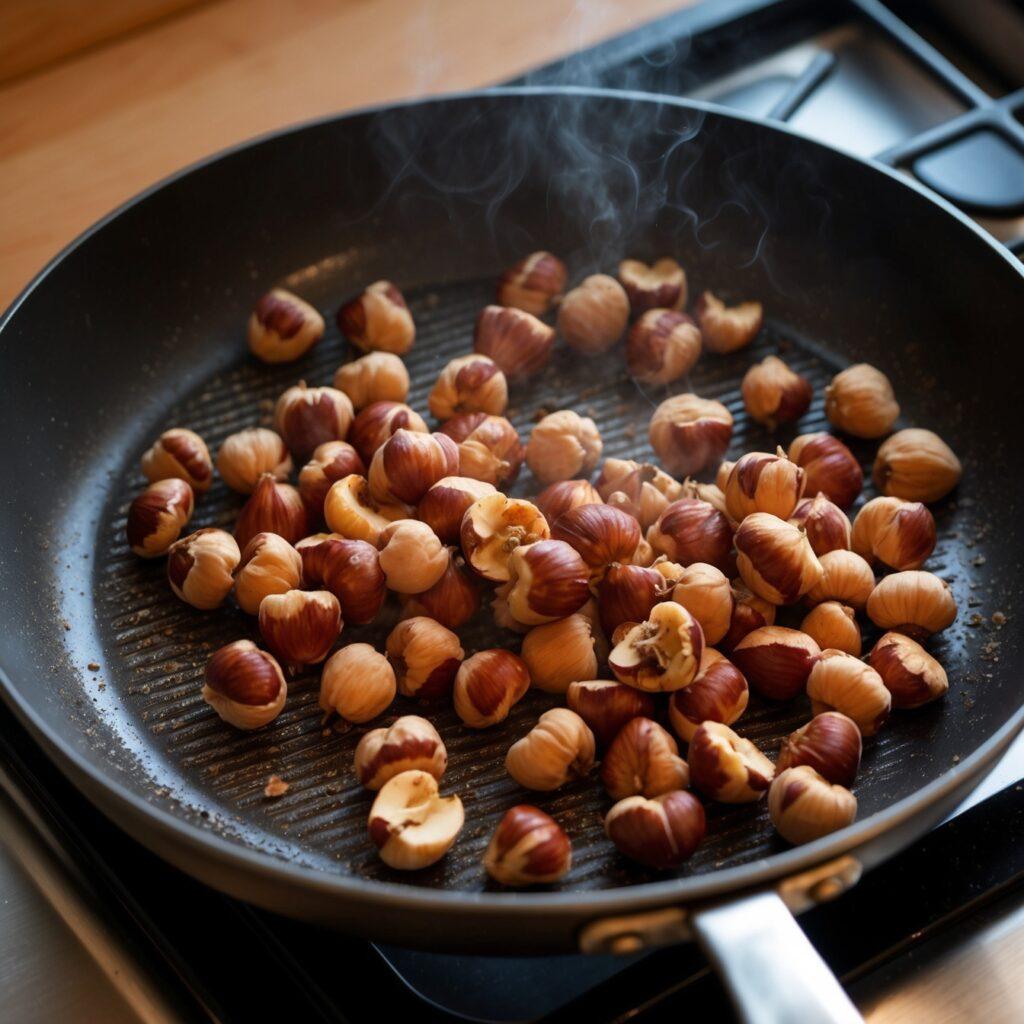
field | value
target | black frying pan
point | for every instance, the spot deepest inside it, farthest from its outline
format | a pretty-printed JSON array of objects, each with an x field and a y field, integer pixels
[{"x": 139, "y": 326}]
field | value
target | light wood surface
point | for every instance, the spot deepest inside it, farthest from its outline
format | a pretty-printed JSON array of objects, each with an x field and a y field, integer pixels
[{"x": 83, "y": 135}]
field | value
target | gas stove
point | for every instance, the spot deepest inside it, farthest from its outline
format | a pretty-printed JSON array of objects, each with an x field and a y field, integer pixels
[{"x": 933, "y": 89}]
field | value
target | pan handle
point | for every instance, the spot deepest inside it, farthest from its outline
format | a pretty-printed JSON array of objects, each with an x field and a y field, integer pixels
[{"x": 772, "y": 972}]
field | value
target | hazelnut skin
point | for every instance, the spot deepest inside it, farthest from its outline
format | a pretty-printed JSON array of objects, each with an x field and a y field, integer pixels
[
  {"x": 272, "y": 508},
  {"x": 841, "y": 682},
  {"x": 916, "y": 465},
  {"x": 528, "y": 848},
  {"x": 269, "y": 565},
  {"x": 909, "y": 672},
  {"x": 308, "y": 417},
  {"x": 661, "y": 832},
  {"x": 831, "y": 624},
  {"x": 425, "y": 656},
  {"x": 829, "y": 467},
  {"x": 200, "y": 567},
  {"x": 804, "y": 806},
  {"x": 378, "y": 320},
  {"x": 690, "y": 434},
  {"x": 357, "y": 683},
  {"x": 558, "y": 749},
  {"x": 377, "y": 422},
  {"x": 606, "y": 706},
  {"x": 663, "y": 345},
  {"x": 408, "y": 464},
  {"x": 594, "y": 315},
  {"x": 662, "y": 285},
  {"x": 691, "y": 530},
  {"x": 830, "y": 743},
  {"x": 749, "y": 612},
  {"x": 453, "y": 600},
  {"x": 331, "y": 462},
  {"x": 773, "y": 394},
  {"x": 283, "y": 327},
  {"x": 559, "y": 653},
  {"x": 563, "y": 495},
  {"x": 628, "y": 593},
  {"x": 244, "y": 685},
  {"x": 726, "y": 767},
  {"x": 775, "y": 559},
  {"x": 300, "y": 626},
  {"x": 639, "y": 488},
  {"x": 762, "y": 482},
  {"x": 898, "y": 534},
  {"x": 705, "y": 593},
  {"x": 825, "y": 524},
  {"x": 244, "y": 457},
  {"x": 516, "y": 340},
  {"x": 601, "y": 534},
  {"x": 489, "y": 448},
  {"x": 718, "y": 694},
  {"x": 181, "y": 455},
  {"x": 776, "y": 661},
  {"x": 644, "y": 760},
  {"x": 411, "y": 556},
  {"x": 445, "y": 503},
  {"x": 410, "y": 743},
  {"x": 534, "y": 284},
  {"x": 157, "y": 516},
  {"x": 660, "y": 654},
  {"x": 470, "y": 383},
  {"x": 547, "y": 581},
  {"x": 411, "y": 824},
  {"x": 487, "y": 685},
  {"x": 845, "y": 577},
  {"x": 493, "y": 527},
  {"x": 375, "y": 377},
  {"x": 351, "y": 571},
  {"x": 727, "y": 328},
  {"x": 860, "y": 401},
  {"x": 563, "y": 445}
]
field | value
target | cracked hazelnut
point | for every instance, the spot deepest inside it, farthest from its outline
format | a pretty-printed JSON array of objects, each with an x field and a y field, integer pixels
[
  {"x": 375, "y": 377},
  {"x": 691, "y": 530},
  {"x": 300, "y": 626},
  {"x": 528, "y": 848},
  {"x": 376, "y": 423},
  {"x": 547, "y": 580},
  {"x": 606, "y": 706},
  {"x": 663, "y": 345},
  {"x": 841, "y": 682},
  {"x": 331, "y": 462},
  {"x": 773, "y": 394},
  {"x": 410, "y": 743},
  {"x": 453, "y": 600},
  {"x": 563, "y": 495},
  {"x": 761, "y": 482},
  {"x": 244, "y": 685},
  {"x": 899, "y": 534},
  {"x": 639, "y": 488},
  {"x": 643, "y": 759},
  {"x": 909, "y": 672},
  {"x": 493, "y": 527},
  {"x": 533, "y": 284},
  {"x": 200, "y": 567},
  {"x": 411, "y": 556},
  {"x": 563, "y": 445},
  {"x": 601, "y": 534},
  {"x": 408, "y": 464},
  {"x": 470, "y": 383},
  {"x": 718, "y": 694},
  {"x": 825, "y": 524},
  {"x": 916, "y": 465},
  {"x": 690, "y": 434},
  {"x": 307, "y": 417},
  {"x": 830, "y": 743},
  {"x": 558, "y": 654},
  {"x": 357, "y": 683},
  {"x": 516, "y": 340},
  {"x": 489, "y": 447},
  {"x": 487, "y": 685},
  {"x": 804, "y": 806},
  {"x": 711, "y": 493},
  {"x": 662, "y": 653},
  {"x": 660, "y": 285},
  {"x": 557, "y": 750},
  {"x": 775, "y": 559},
  {"x": 845, "y": 577},
  {"x": 269, "y": 565},
  {"x": 411, "y": 824},
  {"x": 245, "y": 456},
  {"x": 351, "y": 512},
  {"x": 727, "y": 767},
  {"x": 628, "y": 593},
  {"x": 832, "y": 624},
  {"x": 776, "y": 661},
  {"x": 661, "y": 833},
  {"x": 724, "y": 328},
  {"x": 378, "y": 320},
  {"x": 860, "y": 401},
  {"x": 156, "y": 517},
  {"x": 179, "y": 454},
  {"x": 445, "y": 503},
  {"x": 705, "y": 593},
  {"x": 272, "y": 508},
  {"x": 350, "y": 570},
  {"x": 829, "y": 467},
  {"x": 425, "y": 656},
  {"x": 283, "y": 327},
  {"x": 594, "y": 315},
  {"x": 749, "y": 612}
]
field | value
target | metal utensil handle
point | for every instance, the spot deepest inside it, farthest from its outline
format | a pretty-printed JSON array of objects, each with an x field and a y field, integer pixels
[{"x": 773, "y": 973}]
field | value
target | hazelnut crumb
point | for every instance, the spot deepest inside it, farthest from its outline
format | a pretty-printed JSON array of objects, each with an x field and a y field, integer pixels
[
  {"x": 93, "y": 666},
  {"x": 956, "y": 759},
  {"x": 275, "y": 787},
  {"x": 65, "y": 623},
  {"x": 975, "y": 620},
  {"x": 980, "y": 560},
  {"x": 998, "y": 619}
]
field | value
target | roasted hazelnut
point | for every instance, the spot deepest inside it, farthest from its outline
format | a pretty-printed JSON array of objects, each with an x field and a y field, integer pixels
[
  {"x": 411, "y": 556},
  {"x": 307, "y": 417},
  {"x": 200, "y": 567},
  {"x": 909, "y": 672},
  {"x": 690, "y": 434},
  {"x": 563, "y": 495},
  {"x": 534, "y": 284},
  {"x": 825, "y": 524},
  {"x": 269, "y": 565},
  {"x": 691, "y": 530},
  {"x": 705, "y": 593},
  {"x": 528, "y": 848},
  {"x": 916, "y": 465},
  {"x": 516, "y": 340},
  {"x": 408, "y": 464},
  {"x": 375, "y": 377},
  {"x": 831, "y": 624},
  {"x": 272, "y": 508},
  {"x": 445, "y": 503},
  {"x": 727, "y": 328},
  {"x": 179, "y": 454},
  {"x": 804, "y": 806},
  {"x": 378, "y": 320},
  {"x": 470, "y": 383},
  {"x": 489, "y": 447},
  {"x": 331, "y": 462},
  {"x": 899, "y": 534},
  {"x": 563, "y": 445},
  {"x": 351, "y": 571},
  {"x": 300, "y": 626},
  {"x": 829, "y": 467},
  {"x": 493, "y": 527},
  {"x": 727, "y": 767},
  {"x": 644, "y": 760},
  {"x": 662, "y": 653},
  {"x": 663, "y": 345},
  {"x": 453, "y": 600},
  {"x": 283, "y": 327},
  {"x": 775, "y": 559},
  {"x": 601, "y": 534},
  {"x": 749, "y": 612},
  {"x": 628, "y": 593},
  {"x": 845, "y": 577},
  {"x": 357, "y": 683},
  {"x": 642, "y": 490},
  {"x": 916, "y": 603},
  {"x": 410, "y": 743},
  {"x": 425, "y": 656},
  {"x": 377, "y": 422},
  {"x": 773, "y": 394},
  {"x": 156, "y": 517},
  {"x": 722, "y": 474},
  {"x": 711, "y": 493},
  {"x": 503, "y": 617},
  {"x": 593, "y": 316},
  {"x": 244, "y": 685},
  {"x": 487, "y": 685},
  {"x": 860, "y": 401},
  {"x": 606, "y": 706},
  {"x": 547, "y": 580},
  {"x": 761, "y": 482},
  {"x": 830, "y": 743},
  {"x": 351, "y": 512},
  {"x": 841, "y": 682},
  {"x": 661, "y": 832},
  {"x": 558, "y": 654},
  {"x": 411, "y": 824},
  {"x": 718, "y": 694},
  {"x": 558, "y": 749},
  {"x": 644, "y": 554},
  {"x": 660, "y": 285},
  {"x": 243, "y": 458},
  {"x": 776, "y": 661}
]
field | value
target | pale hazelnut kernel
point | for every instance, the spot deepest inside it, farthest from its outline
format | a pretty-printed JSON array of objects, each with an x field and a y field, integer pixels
[
  {"x": 156, "y": 517},
  {"x": 411, "y": 824},
  {"x": 724, "y": 328},
  {"x": 516, "y": 340},
  {"x": 775, "y": 560},
  {"x": 410, "y": 743},
  {"x": 711, "y": 493},
  {"x": 601, "y": 534},
  {"x": 691, "y": 530},
  {"x": 773, "y": 394},
  {"x": 639, "y": 488},
  {"x": 776, "y": 661},
  {"x": 899, "y": 534},
  {"x": 661, "y": 832},
  {"x": 690, "y": 434},
  {"x": 644, "y": 555},
  {"x": 563, "y": 495},
  {"x": 829, "y": 467},
  {"x": 272, "y": 508},
  {"x": 283, "y": 327},
  {"x": 910, "y": 673},
  {"x": 705, "y": 593},
  {"x": 841, "y": 682},
  {"x": 718, "y": 694},
  {"x": 300, "y": 626},
  {"x": 749, "y": 612},
  {"x": 377, "y": 422},
  {"x": 244, "y": 685},
  {"x": 606, "y": 706},
  {"x": 200, "y": 567},
  {"x": 563, "y": 445},
  {"x": 762, "y": 482},
  {"x": 375, "y": 377},
  {"x": 558, "y": 654},
  {"x": 487, "y": 685},
  {"x": 244, "y": 457},
  {"x": 643, "y": 759},
  {"x": 662, "y": 653},
  {"x": 378, "y": 320},
  {"x": 181, "y": 455},
  {"x": 408, "y": 464},
  {"x": 663, "y": 345},
  {"x": 444, "y": 505},
  {"x": 832, "y": 624},
  {"x": 727, "y": 767},
  {"x": 425, "y": 656},
  {"x": 453, "y": 600},
  {"x": 269, "y": 565},
  {"x": 309, "y": 417},
  {"x": 533, "y": 284},
  {"x": 503, "y": 617},
  {"x": 916, "y": 603},
  {"x": 825, "y": 524},
  {"x": 916, "y": 465},
  {"x": 331, "y": 462},
  {"x": 412, "y": 557},
  {"x": 351, "y": 512},
  {"x": 489, "y": 448},
  {"x": 493, "y": 527},
  {"x": 722, "y": 474},
  {"x": 628, "y": 593},
  {"x": 470, "y": 383},
  {"x": 845, "y": 577},
  {"x": 830, "y": 743},
  {"x": 804, "y": 806},
  {"x": 661, "y": 285},
  {"x": 357, "y": 683},
  {"x": 558, "y": 749},
  {"x": 860, "y": 401},
  {"x": 528, "y": 848},
  {"x": 594, "y": 315}
]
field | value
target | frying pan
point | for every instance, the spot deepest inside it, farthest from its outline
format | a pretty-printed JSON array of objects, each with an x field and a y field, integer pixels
[{"x": 139, "y": 324}]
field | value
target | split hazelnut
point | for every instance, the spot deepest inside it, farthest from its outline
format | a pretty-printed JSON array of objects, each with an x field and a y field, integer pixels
[
  {"x": 445, "y": 503},
  {"x": 727, "y": 328},
  {"x": 200, "y": 567},
  {"x": 488, "y": 446},
  {"x": 825, "y": 524},
  {"x": 410, "y": 743},
  {"x": 831, "y": 624},
  {"x": 378, "y": 320},
  {"x": 563, "y": 495},
  {"x": 639, "y": 488},
  {"x": 841, "y": 682},
  {"x": 244, "y": 457},
  {"x": 661, "y": 285},
  {"x": 804, "y": 806},
  {"x": 909, "y": 672},
  {"x": 773, "y": 394},
  {"x": 594, "y": 315},
  {"x": 628, "y": 593},
  {"x": 644, "y": 760},
  {"x": 705, "y": 593},
  {"x": 563, "y": 445},
  {"x": 528, "y": 848},
  {"x": 601, "y": 534},
  {"x": 308, "y": 417},
  {"x": 916, "y": 465},
  {"x": 727, "y": 767},
  {"x": 156, "y": 517},
  {"x": 860, "y": 401},
  {"x": 493, "y": 527},
  {"x": 408, "y": 464},
  {"x": 830, "y": 743},
  {"x": 690, "y": 434},
  {"x": 331, "y": 462},
  {"x": 899, "y": 534},
  {"x": 487, "y": 685},
  {"x": 762, "y": 482},
  {"x": 775, "y": 559},
  {"x": 845, "y": 577},
  {"x": 516, "y": 340},
  {"x": 357, "y": 683},
  {"x": 453, "y": 600},
  {"x": 411, "y": 824},
  {"x": 351, "y": 571},
  {"x": 351, "y": 512},
  {"x": 691, "y": 530},
  {"x": 269, "y": 565},
  {"x": 470, "y": 383},
  {"x": 547, "y": 580},
  {"x": 179, "y": 454},
  {"x": 375, "y": 377},
  {"x": 425, "y": 656},
  {"x": 283, "y": 327},
  {"x": 272, "y": 508},
  {"x": 663, "y": 346},
  {"x": 534, "y": 284},
  {"x": 749, "y": 612},
  {"x": 606, "y": 706},
  {"x": 829, "y": 467},
  {"x": 718, "y": 694},
  {"x": 376, "y": 423},
  {"x": 300, "y": 626},
  {"x": 916, "y": 603},
  {"x": 411, "y": 556},
  {"x": 662, "y": 653},
  {"x": 661, "y": 833},
  {"x": 244, "y": 685},
  {"x": 776, "y": 661},
  {"x": 558, "y": 654},
  {"x": 557, "y": 750}
]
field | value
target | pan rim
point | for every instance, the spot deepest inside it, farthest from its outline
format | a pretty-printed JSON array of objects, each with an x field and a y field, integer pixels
[{"x": 680, "y": 889}]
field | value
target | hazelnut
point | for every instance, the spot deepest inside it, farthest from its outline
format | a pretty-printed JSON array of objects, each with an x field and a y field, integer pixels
[
  {"x": 909, "y": 672},
  {"x": 916, "y": 465},
  {"x": 718, "y": 694},
  {"x": 378, "y": 320},
  {"x": 331, "y": 462},
  {"x": 663, "y": 346},
  {"x": 644, "y": 554},
  {"x": 845, "y": 577},
  {"x": 357, "y": 683},
  {"x": 830, "y": 743},
  {"x": 470, "y": 383},
  {"x": 841, "y": 682},
  {"x": 722, "y": 474},
  {"x": 493, "y": 527},
  {"x": 487, "y": 685},
  {"x": 351, "y": 571},
  {"x": 411, "y": 556},
  {"x": 558, "y": 654},
  {"x": 503, "y": 617},
  {"x": 563, "y": 445},
  {"x": 804, "y": 806},
  {"x": 661, "y": 833},
  {"x": 705, "y": 593},
  {"x": 691, "y": 530},
  {"x": 916, "y": 603},
  {"x": 243, "y": 458},
  {"x": 199, "y": 567},
  {"x": 644, "y": 760},
  {"x": 300, "y": 626},
  {"x": 628, "y": 593},
  {"x": 761, "y": 482},
  {"x": 156, "y": 517},
  {"x": 516, "y": 340},
  {"x": 179, "y": 454},
  {"x": 724, "y": 328},
  {"x": 411, "y": 824},
  {"x": 829, "y": 467},
  {"x": 272, "y": 508},
  {"x": 269, "y": 565},
  {"x": 408, "y": 464},
  {"x": 660, "y": 654},
  {"x": 776, "y": 661},
  {"x": 563, "y": 495},
  {"x": 690, "y": 434},
  {"x": 662, "y": 285},
  {"x": 375, "y": 377},
  {"x": 639, "y": 488},
  {"x": 453, "y": 600},
  {"x": 606, "y": 706},
  {"x": 489, "y": 447},
  {"x": 533, "y": 284},
  {"x": 528, "y": 848},
  {"x": 775, "y": 559},
  {"x": 601, "y": 534},
  {"x": 558, "y": 749},
  {"x": 860, "y": 401},
  {"x": 773, "y": 394},
  {"x": 308, "y": 417},
  {"x": 727, "y": 767},
  {"x": 620, "y": 633},
  {"x": 825, "y": 524},
  {"x": 594, "y": 315},
  {"x": 445, "y": 503},
  {"x": 410, "y": 743},
  {"x": 425, "y": 656},
  {"x": 376, "y": 423},
  {"x": 547, "y": 580},
  {"x": 351, "y": 512},
  {"x": 899, "y": 534},
  {"x": 831, "y": 624},
  {"x": 283, "y": 327},
  {"x": 749, "y": 612},
  {"x": 244, "y": 685}
]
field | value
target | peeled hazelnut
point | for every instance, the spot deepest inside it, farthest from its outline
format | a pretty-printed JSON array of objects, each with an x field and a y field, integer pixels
[
  {"x": 357, "y": 683},
  {"x": 351, "y": 571},
  {"x": 705, "y": 593},
  {"x": 662, "y": 285},
  {"x": 269, "y": 565},
  {"x": 727, "y": 767},
  {"x": 453, "y": 600},
  {"x": 516, "y": 340},
  {"x": 722, "y": 474},
  {"x": 727, "y": 328},
  {"x": 830, "y": 743},
  {"x": 547, "y": 580},
  {"x": 244, "y": 685},
  {"x": 179, "y": 454},
  {"x": 563, "y": 445},
  {"x": 411, "y": 824},
  {"x": 663, "y": 346},
  {"x": 412, "y": 557},
  {"x": 408, "y": 464},
  {"x": 558, "y": 654},
  {"x": 470, "y": 383},
  {"x": 774, "y": 394},
  {"x": 642, "y": 490},
  {"x": 775, "y": 559},
  {"x": 776, "y": 661},
  {"x": 628, "y": 593},
  {"x": 845, "y": 577},
  {"x": 563, "y": 495},
  {"x": 489, "y": 447},
  {"x": 331, "y": 462},
  {"x": 644, "y": 554},
  {"x": 272, "y": 508},
  {"x": 899, "y": 534},
  {"x": 829, "y": 467},
  {"x": 375, "y": 377},
  {"x": 244, "y": 457},
  {"x": 558, "y": 749},
  {"x": 691, "y": 530},
  {"x": 487, "y": 685},
  {"x": 593, "y": 316},
  {"x": 860, "y": 401},
  {"x": 749, "y": 612},
  {"x": 283, "y": 327},
  {"x": 690, "y": 434},
  {"x": 916, "y": 603},
  {"x": 761, "y": 482},
  {"x": 534, "y": 284},
  {"x": 425, "y": 656},
  {"x": 378, "y": 320},
  {"x": 607, "y": 706},
  {"x": 503, "y": 617},
  {"x": 804, "y": 806},
  {"x": 643, "y": 759},
  {"x": 410, "y": 743},
  {"x": 661, "y": 833},
  {"x": 376, "y": 423},
  {"x": 445, "y": 503},
  {"x": 601, "y": 534},
  {"x": 825, "y": 524},
  {"x": 909, "y": 672},
  {"x": 620, "y": 632},
  {"x": 832, "y": 624},
  {"x": 308, "y": 417},
  {"x": 528, "y": 848},
  {"x": 199, "y": 567},
  {"x": 841, "y": 682},
  {"x": 300, "y": 626},
  {"x": 493, "y": 527},
  {"x": 718, "y": 694},
  {"x": 156, "y": 517},
  {"x": 662, "y": 653},
  {"x": 916, "y": 465},
  {"x": 351, "y": 512}
]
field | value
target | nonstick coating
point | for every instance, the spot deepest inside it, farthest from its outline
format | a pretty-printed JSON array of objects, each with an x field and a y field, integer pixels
[{"x": 140, "y": 326}]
